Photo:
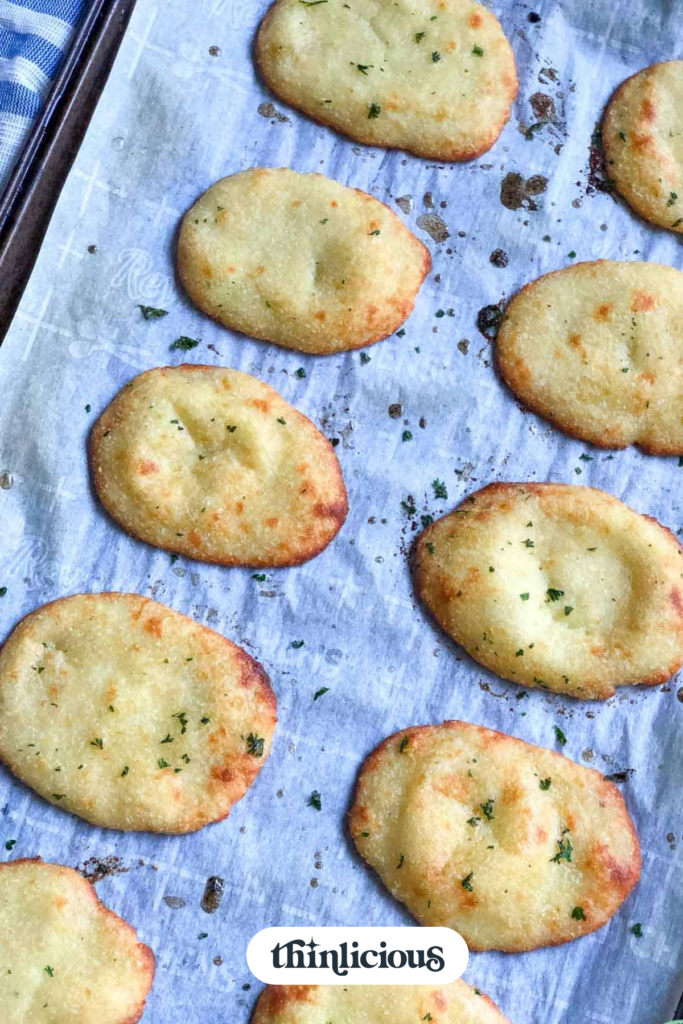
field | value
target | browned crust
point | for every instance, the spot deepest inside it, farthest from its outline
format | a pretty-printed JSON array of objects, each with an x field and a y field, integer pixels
[
  {"x": 612, "y": 794},
  {"x": 448, "y": 155},
  {"x": 515, "y": 382},
  {"x": 390, "y": 326},
  {"x": 606, "y": 118},
  {"x": 276, "y": 998},
  {"x": 145, "y": 953},
  {"x": 337, "y": 510},
  {"x": 535, "y": 488},
  {"x": 253, "y": 676}
]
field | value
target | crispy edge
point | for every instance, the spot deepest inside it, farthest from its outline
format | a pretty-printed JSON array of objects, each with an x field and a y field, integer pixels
[
  {"x": 514, "y": 373},
  {"x": 628, "y": 194},
  {"x": 501, "y": 487},
  {"x": 390, "y": 325},
  {"x": 145, "y": 952},
  {"x": 252, "y": 674},
  {"x": 276, "y": 998},
  {"x": 336, "y": 510},
  {"x": 447, "y": 153},
  {"x": 624, "y": 883}
]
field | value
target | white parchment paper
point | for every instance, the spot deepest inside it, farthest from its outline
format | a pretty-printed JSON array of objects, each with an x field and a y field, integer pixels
[{"x": 173, "y": 119}]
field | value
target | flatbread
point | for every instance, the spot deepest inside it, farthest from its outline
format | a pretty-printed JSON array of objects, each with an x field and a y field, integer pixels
[
  {"x": 131, "y": 715},
  {"x": 65, "y": 958},
  {"x": 596, "y": 348},
  {"x": 644, "y": 144},
  {"x": 558, "y": 587},
  {"x": 375, "y": 1004},
  {"x": 300, "y": 260},
  {"x": 434, "y": 77},
  {"x": 213, "y": 464},
  {"x": 513, "y": 846}
]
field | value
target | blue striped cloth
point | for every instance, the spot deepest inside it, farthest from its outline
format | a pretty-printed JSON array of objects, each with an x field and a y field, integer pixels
[{"x": 34, "y": 36}]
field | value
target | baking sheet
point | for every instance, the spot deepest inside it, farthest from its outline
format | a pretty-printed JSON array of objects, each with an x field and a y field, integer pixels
[{"x": 174, "y": 118}]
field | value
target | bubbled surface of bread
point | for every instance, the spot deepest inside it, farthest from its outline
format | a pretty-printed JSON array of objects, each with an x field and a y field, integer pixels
[
  {"x": 598, "y": 349},
  {"x": 644, "y": 145},
  {"x": 213, "y": 464},
  {"x": 376, "y": 1004},
  {"x": 66, "y": 959},
  {"x": 558, "y": 587},
  {"x": 494, "y": 837},
  {"x": 131, "y": 715},
  {"x": 439, "y": 74},
  {"x": 300, "y": 260}
]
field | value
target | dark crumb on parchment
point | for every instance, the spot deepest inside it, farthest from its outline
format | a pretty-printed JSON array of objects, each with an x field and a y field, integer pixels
[
  {"x": 92, "y": 249},
  {"x": 269, "y": 111},
  {"x": 620, "y": 776},
  {"x": 543, "y": 107},
  {"x": 489, "y": 319},
  {"x": 434, "y": 226},
  {"x": 213, "y": 894},
  {"x": 395, "y": 411},
  {"x": 499, "y": 258},
  {"x": 215, "y": 51},
  {"x": 218, "y": 960},
  {"x": 599, "y": 179},
  {"x": 464, "y": 345},
  {"x": 533, "y": 17},
  {"x": 174, "y": 902},
  {"x": 680, "y": 694},
  {"x": 517, "y": 192},
  {"x": 96, "y": 868}
]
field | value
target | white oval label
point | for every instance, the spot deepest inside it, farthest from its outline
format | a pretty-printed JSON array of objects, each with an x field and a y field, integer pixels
[{"x": 357, "y": 956}]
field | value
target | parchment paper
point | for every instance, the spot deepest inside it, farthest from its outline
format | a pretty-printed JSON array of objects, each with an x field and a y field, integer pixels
[{"x": 175, "y": 118}]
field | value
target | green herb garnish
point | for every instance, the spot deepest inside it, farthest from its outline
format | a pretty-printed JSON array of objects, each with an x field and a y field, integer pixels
[
  {"x": 184, "y": 343},
  {"x": 150, "y": 313}
]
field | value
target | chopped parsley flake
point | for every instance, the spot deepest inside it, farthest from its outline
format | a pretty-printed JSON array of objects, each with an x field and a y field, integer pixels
[
  {"x": 259, "y": 577},
  {"x": 365, "y": 358},
  {"x": 407, "y": 435},
  {"x": 50, "y": 971},
  {"x": 473, "y": 822},
  {"x": 150, "y": 313},
  {"x": 477, "y": 51},
  {"x": 297, "y": 644},
  {"x": 564, "y": 851},
  {"x": 321, "y": 692},
  {"x": 466, "y": 883},
  {"x": 419, "y": 36},
  {"x": 525, "y": 596},
  {"x": 184, "y": 343},
  {"x": 554, "y": 595},
  {"x": 404, "y": 743},
  {"x": 255, "y": 745},
  {"x": 10, "y": 844},
  {"x": 300, "y": 373},
  {"x": 559, "y": 735},
  {"x": 374, "y": 110},
  {"x": 282, "y": 420},
  {"x": 440, "y": 490},
  {"x": 97, "y": 743},
  {"x": 545, "y": 784},
  {"x": 400, "y": 862},
  {"x": 637, "y": 930},
  {"x": 578, "y": 914},
  {"x": 162, "y": 763},
  {"x": 487, "y": 808},
  {"x": 673, "y": 196},
  {"x": 436, "y": 57},
  {"x": 125, "y": 772},
  {"x": 430, "y": 547},
  {"x": 315, "y": 800}
]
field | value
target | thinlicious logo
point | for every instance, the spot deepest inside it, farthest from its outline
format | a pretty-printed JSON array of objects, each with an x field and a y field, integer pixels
[
  {"x": 292, "y": 954},
  {"x": 357, "y": 956}
]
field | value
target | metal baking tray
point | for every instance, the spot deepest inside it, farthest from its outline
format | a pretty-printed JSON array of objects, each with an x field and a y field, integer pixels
[{"x": 30, "y": 196}]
